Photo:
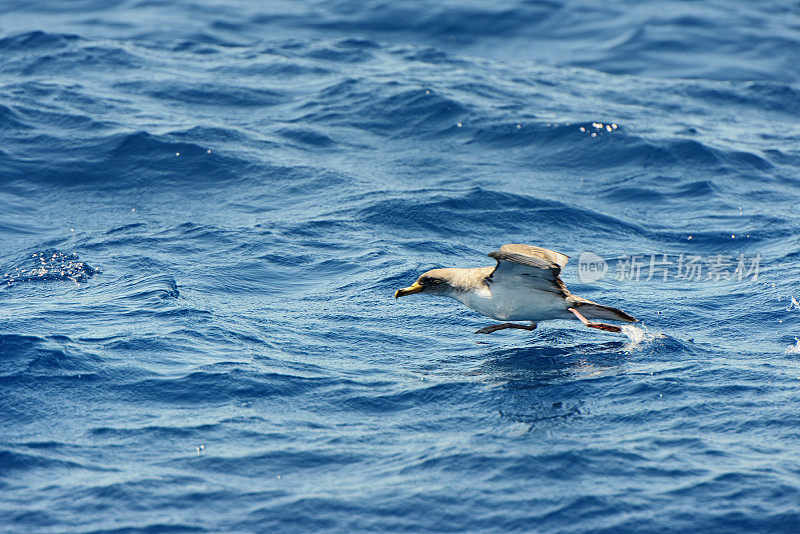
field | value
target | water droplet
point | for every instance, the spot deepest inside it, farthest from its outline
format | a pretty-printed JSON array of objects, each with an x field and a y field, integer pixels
[
  {"x": 177, "y": 154},
  {"x": 458, "y": 125}
]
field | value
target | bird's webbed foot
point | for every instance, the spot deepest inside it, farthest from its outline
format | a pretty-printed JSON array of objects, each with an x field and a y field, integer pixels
[
  {"x": 503, "y": 326},
  {"x": 599, "y": 326}
]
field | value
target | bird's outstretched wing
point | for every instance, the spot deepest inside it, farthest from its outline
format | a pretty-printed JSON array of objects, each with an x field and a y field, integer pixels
[{"x": 529, "y": 266}]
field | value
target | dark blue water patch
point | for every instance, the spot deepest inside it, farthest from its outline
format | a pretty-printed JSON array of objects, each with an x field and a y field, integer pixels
[
  {"x": 193, "y": 94},
  {"x": 214, "y": 136},
  {"x": 63, "y": 55},
  {"x": 126, "y": 228},
  {"x": 42, "y": 118},
  {"x": 122, "y": 160},
  {"x": 156, "y": 287},
  {"x": 426, "y": 55},
  {"x": 10, "y": 119},
  {"x": 456, "y": 21},
  {"x": 266, "y": 465},
  {"x": 393, "y": 402},
  {"x": 701, "y": 188},
  {"x": 201, "y": 43},
  {"x": 447, "y": 212},
  {"x": 15, "y": 214},
  {"x": 761, "y": 96},
  {"x": 307, "y": 137},
  {"x": 506, "y": 135},
  {"x": 41, "y": 103},
  {"x": 403, "y": 110},
  {"x": 35, "y": 41},
  {"x": 223, "y": 387},
  {"x": 589, "y": 145},
  {"x": 17, "y": 348},
  {"x": 18, "y": 461},
  {"x": 278, "y": 67},
  {"x": 146, "y": 146},
  {"x": 346, "y": 51},
  {"x": 644, "y": 194}
]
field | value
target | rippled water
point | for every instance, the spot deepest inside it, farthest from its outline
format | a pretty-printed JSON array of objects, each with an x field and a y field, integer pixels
[{"x": 205, "y": 208}]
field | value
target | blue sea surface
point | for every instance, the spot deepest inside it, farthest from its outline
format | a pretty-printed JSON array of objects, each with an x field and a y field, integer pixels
[{"x": 206, "y": 206}]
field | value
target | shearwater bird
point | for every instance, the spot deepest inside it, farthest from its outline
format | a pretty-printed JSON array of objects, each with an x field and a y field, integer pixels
[{"x": 523, "y": 286}]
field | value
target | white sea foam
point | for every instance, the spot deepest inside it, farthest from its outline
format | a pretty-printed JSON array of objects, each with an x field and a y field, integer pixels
[{"x": 638, "y": 335}]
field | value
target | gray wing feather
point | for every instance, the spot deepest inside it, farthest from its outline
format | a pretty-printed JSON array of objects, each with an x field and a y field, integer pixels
[
  {"x": 536, "y": 270},
  {"x": 537, "y": 252}
]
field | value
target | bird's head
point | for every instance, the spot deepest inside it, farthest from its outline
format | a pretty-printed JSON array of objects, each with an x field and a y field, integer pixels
[{"x": 434, "y": 282}]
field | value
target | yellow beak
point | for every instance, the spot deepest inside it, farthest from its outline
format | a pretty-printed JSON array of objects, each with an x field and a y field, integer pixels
[{"x": 410, "y": 290}]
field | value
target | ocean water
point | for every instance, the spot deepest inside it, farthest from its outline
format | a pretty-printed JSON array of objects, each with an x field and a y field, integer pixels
[{"x": 206, "y": 206}]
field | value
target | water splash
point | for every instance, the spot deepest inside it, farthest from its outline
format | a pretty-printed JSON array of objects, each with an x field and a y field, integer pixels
[
  {"x": 794, "y": 349},
  {"x": 50, "y": 264},
  {"x": 636, "y": 335}
]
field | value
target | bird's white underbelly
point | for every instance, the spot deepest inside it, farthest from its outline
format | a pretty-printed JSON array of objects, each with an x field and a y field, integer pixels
[{"x": 519, "y": 304}]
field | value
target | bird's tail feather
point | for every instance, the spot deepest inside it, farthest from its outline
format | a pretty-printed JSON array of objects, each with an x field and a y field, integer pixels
[{"x": 593, "y": 310}]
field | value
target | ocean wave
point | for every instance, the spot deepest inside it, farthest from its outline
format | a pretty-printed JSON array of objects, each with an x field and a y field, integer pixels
[
  {"x": 37, "y": 40},
  {"x": 255, "y": 180},
  {"x": 439, "y": 212}
]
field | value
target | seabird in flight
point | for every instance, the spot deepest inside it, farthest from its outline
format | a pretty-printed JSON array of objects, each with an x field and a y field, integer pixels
[{"x": 523, "y": 286}]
